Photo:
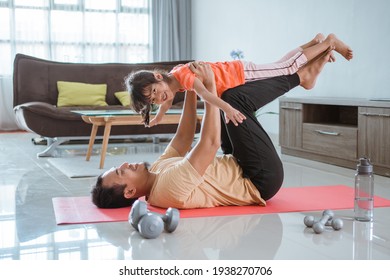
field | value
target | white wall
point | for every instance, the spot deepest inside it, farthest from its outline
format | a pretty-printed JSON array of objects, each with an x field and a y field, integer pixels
[{"x": 266, "y": 29}]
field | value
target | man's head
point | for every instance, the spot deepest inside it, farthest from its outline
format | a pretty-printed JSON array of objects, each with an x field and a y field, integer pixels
[
  {"x": 121, "y": 186},
  {"x": 142, "y": 86}
]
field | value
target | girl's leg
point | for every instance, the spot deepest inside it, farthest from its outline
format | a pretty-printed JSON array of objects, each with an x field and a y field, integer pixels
[
  {"x": 317, "y": 39},
  {"x": 331, "y": 41},
  {"x": 254, "y": 72},
  {"x": 250, "y": 143},
  {"x": 290, "y": 54}
]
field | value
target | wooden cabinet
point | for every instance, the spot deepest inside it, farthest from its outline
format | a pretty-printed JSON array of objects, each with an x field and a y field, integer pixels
[
  {"x": 336, "y": 131},
  {"x": 374, "y": 136},
  {"x": 290, "y": 119}
]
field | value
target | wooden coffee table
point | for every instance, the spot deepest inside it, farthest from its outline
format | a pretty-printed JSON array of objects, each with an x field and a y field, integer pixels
[{"x": 109, "y": 118}]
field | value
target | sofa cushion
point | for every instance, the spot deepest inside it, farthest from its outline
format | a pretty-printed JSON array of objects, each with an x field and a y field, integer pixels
[
  {"x": 123, "y": 97},
  {"x": 81, "y": 94}
]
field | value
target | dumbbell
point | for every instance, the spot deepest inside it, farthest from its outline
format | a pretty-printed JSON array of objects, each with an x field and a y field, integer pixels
[
  {"x": 309, "y": 221},
  {"x": 319, "y": 226},
  {"x": 337, "y": 224},
  {"x": 150, "y": 224},
  {"x": 326, "y": 220}
]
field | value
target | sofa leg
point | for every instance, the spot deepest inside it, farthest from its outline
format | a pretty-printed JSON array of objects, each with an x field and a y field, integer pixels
[{"x": 52, "y": 144}]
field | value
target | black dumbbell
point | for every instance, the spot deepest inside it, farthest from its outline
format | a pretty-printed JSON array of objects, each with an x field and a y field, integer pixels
[{"x": 150, "y": 224}]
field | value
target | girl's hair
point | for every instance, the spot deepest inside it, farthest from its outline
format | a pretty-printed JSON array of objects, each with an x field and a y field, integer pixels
[{"x": 136, "y": 84}]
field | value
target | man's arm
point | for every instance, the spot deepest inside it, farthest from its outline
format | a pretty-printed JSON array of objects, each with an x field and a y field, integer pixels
[
  {"x": 231, "y": 114},
  {"x": 203, "y": 154},
  {"x": 185, "y": 132}
]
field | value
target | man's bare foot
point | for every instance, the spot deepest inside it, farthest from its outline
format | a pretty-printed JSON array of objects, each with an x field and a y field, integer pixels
[
  {"x": 308, "y": 74},
  {"x": 317, "y": 39},
  {"x": 340, "y": 46}
]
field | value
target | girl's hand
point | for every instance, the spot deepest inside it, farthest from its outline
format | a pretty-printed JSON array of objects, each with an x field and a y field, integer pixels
[
  {"x": 155, "y": 121},
  {"x": 234, "y": 116}
]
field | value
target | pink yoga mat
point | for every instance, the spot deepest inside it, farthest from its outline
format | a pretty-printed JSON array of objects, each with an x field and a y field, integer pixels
[{"x": 80, "y": 210}]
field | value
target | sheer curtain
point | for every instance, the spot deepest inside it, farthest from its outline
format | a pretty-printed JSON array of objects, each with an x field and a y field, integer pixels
[
  {"x": 7, "y": 117},
  {"x": 171, "y": 21}
]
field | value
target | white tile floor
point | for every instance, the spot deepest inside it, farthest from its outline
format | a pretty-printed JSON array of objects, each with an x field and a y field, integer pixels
[{"x": 28, "y": 230}]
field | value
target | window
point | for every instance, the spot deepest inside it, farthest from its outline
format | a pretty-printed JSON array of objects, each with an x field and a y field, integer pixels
[{"x": 74, "y": 31}]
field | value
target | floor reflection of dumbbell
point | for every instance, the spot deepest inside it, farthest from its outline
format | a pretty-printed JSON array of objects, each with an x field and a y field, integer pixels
[
  {"x": 149, "y": 224},
  {"x": 327, "y": 219}
]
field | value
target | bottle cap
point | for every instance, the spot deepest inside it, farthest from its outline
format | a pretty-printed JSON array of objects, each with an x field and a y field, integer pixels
[{"x": 364, "y": 166}]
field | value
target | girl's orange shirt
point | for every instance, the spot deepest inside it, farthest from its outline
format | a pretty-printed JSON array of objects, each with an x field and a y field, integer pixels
[{"x": 227, "y": 75}]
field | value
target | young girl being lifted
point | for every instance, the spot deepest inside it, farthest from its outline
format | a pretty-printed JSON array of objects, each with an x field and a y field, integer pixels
[{"x": 159, "y": 87}]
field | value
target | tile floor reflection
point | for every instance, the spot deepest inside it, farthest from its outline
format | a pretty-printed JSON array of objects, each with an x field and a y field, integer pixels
[{"x": 28, "y": 230}]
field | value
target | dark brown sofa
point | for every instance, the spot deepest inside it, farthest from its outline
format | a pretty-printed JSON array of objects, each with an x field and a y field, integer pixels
[{"x": 35, "y": 98}]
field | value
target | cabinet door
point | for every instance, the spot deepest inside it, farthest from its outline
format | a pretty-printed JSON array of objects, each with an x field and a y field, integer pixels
[
  {"x": 339, "y": 141},
  {"x": 290, "y": 124},
  {"x": 374, "y": 135}
]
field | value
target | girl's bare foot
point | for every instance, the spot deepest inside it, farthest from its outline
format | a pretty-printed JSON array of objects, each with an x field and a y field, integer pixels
[
  {"x": 340, "y": 46},
  {"x": 309, "y": 73},
  {"x": 317, "y": 39}
]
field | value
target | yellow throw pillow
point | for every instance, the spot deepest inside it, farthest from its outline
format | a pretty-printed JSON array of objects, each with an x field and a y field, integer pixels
[
  {"x": 123, "y": 97},
  {"x": 81, "y": 94}
]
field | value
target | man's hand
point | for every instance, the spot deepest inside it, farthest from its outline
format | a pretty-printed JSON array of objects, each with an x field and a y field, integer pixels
[
  {"x": 202, "y": 71},
  {"x": 205, "y": 75}
]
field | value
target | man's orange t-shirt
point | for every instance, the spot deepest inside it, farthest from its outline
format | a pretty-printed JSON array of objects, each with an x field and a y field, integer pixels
[{"x": 179, "y": 185}]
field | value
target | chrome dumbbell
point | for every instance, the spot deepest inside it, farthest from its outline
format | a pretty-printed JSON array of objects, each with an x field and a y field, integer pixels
[
  {"x": 319, "y": 226},
  {"x": 150, "y": 224},
  {"x": 309, "y": 221},
  {"x": 337, "y": 224},
  {"x": 327, "y": 219}
]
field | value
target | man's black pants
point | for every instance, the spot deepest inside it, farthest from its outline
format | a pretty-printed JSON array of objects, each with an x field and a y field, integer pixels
[{"x": 248, "y": 142}]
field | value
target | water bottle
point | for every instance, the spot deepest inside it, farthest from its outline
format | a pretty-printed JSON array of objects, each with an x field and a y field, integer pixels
[
  {"x": 362, "y": 240},
  {"x": 364, "y": 191}
]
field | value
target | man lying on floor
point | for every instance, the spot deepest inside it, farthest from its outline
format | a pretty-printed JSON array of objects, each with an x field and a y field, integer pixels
[{"x": 249, "y": 173}]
